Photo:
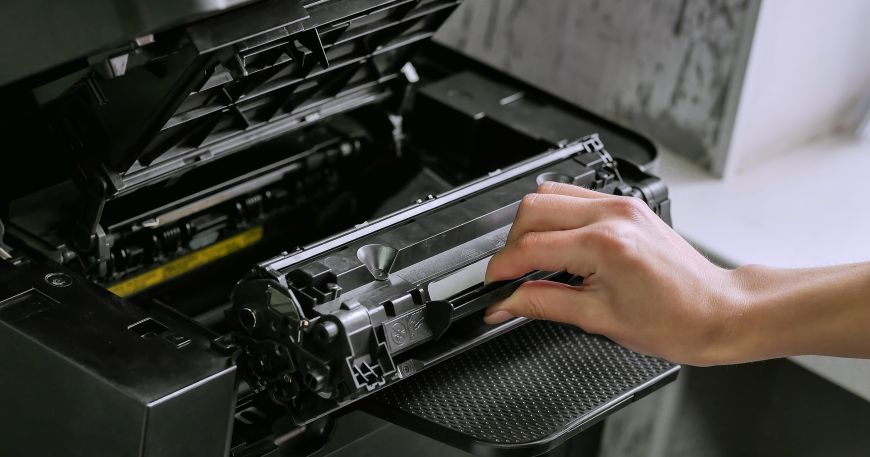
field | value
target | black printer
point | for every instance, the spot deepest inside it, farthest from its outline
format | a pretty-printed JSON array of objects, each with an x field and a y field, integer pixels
[{"x": 228, "y": 227}]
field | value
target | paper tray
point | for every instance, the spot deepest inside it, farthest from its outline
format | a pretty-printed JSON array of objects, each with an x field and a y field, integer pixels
[{"x": 523, "y": 393}]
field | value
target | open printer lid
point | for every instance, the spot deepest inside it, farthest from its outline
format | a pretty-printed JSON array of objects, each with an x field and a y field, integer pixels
[
  {"x": 68, "y": 31},
  {"x": 165, "y": 102}
]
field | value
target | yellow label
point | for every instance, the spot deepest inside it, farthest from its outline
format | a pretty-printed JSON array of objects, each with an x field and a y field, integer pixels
[{"x": 187, "y": 263}]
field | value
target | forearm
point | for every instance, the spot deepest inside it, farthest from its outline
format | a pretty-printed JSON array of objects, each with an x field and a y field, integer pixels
[{"x": 785, "y": 312}]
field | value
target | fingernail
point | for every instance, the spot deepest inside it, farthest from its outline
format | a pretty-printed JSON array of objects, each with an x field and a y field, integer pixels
[{"x": 497, "y": 317}]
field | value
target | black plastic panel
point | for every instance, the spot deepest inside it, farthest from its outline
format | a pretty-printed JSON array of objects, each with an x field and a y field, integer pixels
[
  {"x": 85, "y": 373},
  {"x": 146, "y": 113},
  {"x": 522, "y": 393}
]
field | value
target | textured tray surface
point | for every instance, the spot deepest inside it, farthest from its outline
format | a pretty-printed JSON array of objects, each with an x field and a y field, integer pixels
[{"x": 525, "y": 386}]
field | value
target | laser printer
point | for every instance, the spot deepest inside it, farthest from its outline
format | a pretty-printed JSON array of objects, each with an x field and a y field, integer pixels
[{"x": 235, "y": 227}]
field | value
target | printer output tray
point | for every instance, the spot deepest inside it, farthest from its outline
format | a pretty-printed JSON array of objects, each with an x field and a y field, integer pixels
[{"x": 523, "y": 393}]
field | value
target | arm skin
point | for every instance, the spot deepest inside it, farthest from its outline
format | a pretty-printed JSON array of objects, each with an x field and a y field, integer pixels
[{"x": 649, "y": 290}]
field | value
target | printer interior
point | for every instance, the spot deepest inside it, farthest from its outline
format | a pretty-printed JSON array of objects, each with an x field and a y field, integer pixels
[{"x": 166, "y": 195}]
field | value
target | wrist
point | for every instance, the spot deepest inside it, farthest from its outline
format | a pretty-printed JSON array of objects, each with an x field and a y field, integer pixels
[
  {"x": 739, "y": 324},
  {"x": 764, "y": 317}
]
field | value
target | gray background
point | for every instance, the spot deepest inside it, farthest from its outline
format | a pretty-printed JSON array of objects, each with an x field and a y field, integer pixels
[{"x": 669, "y": 68}]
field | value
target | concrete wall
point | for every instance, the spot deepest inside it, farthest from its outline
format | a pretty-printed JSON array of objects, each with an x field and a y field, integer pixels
[{"x": 670, "y": 68}]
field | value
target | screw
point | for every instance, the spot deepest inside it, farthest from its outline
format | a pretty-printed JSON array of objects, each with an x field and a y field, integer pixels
[{"x": 58, "y": 279}]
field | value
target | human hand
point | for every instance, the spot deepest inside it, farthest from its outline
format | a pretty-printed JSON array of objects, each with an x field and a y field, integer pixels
[{"x": 644, "y": 286}]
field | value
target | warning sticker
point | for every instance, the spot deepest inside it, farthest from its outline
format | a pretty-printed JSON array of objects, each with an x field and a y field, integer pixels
[{"x": 187, "y": 263}]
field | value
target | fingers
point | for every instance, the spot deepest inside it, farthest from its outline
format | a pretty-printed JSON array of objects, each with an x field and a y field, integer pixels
[
  {"x": 570, "y": 190},
  {"x": 551, "y": 301},
  {"x": 565, "y": 250},
  {"x": 550, "y": 212}
]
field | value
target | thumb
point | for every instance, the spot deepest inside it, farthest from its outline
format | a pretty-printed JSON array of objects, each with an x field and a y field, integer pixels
[{"x": 546, "y": 300}]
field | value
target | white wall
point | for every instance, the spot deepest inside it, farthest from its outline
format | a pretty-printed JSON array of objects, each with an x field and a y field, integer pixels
[{"x": 808, "y": 66}]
